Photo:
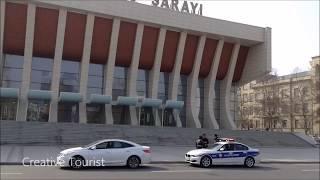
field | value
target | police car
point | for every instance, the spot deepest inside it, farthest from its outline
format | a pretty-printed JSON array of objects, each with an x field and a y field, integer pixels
[{"x": 224, "y": 153}]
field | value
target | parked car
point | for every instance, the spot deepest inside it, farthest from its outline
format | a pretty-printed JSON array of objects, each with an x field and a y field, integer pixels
[
  {"x": 108, "y": 152},
  {"x": 224, "y": 153}
]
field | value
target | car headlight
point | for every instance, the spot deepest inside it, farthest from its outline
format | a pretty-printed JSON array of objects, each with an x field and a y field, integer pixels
[
  {"x": 198, "y": 155},
  {"x": 63, "y": 154}
]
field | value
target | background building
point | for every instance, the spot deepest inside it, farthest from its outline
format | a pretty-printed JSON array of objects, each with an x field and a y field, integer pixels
[
  {"x": 282, "y": 103},
  {"x": 120, "y": 62}
]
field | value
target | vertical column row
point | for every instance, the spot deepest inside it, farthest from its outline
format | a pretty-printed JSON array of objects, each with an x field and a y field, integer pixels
[
  {"x": 227, "y": 122},
  {"x": 192, "y": 115},
  {"x": 210, "y": 120},
  {"x": 175, "y": 75},
  {"x": 27, "y": 62},
  {"x": 53, "y": 113},
  {"x": 155, "y": 71},
  {"x": 85, "y": 62},
  {"x": 133, "y": 72},
  {"x": 109, "y": 67}
]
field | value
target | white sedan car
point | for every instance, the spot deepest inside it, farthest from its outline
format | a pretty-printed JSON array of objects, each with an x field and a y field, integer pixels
[
  {"x": 224, "y": 153},
  {"x": 109, "y": 152}
]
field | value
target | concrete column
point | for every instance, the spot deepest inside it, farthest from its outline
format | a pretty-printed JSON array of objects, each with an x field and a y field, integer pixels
[
  {"x": 109, "y": 67},
  {"x": 210, "y": 120},
  {"x": 155, "y": 72},
  {"x": 55, "y": 83},
  {"x": 27, "y": 63},
  {"x": 85, "y": 62},
  {"x": 175, "y": 75},
  {"x": 191, "y": 110},
  {"x": 2, "y": 15},
  {"x": 133, "y": 72},
  {"x": 227, "y": 121}
]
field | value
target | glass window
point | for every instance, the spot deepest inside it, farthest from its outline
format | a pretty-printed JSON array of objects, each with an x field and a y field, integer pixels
[
  {"x": 8, "y": 109},
  {"x": 305, "y": 108},
  {"x": 68, "y": 112},
  {"x": 240, "y": 147},
  {"x": 126, "y": 145},
  {"x": 95, "y": 79},
  {"x": 102, "y": 145},
  {"x": 228, "y": 147},
  {"x": 163, "y": 86},
  {"x": 119, "y": 85},
  {"x": 70, "y": 76},
  {"x": 117, "y": 144},
  {"x": 296, "y": 92},
  {"x": 38, "y": 110},
  {"x": 146, "y": 116},
  {"x": 11, "y": 76},
  {"x": 121, "y": 114},
  {"x": 13, "y": 61},
  {"x": 297, "y": 108},
  {"x": 284, "y": 124},
  {"x": 41, "y": 73},
  {"x": 142, "y": 83},
  {"x": 96, "y": 114}
]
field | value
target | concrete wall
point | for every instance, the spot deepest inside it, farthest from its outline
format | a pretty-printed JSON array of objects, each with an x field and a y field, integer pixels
[{"x": 37, "y": 133}]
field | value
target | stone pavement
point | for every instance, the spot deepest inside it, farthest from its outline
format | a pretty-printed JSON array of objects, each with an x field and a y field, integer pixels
[{"x": 14, "y": 154}]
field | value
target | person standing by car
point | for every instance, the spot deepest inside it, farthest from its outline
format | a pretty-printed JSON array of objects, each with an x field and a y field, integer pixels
[
  {"x": 216, "y": 138},
  {"x": 205, "y": 140},
  {"x": 199, "y": 142}
]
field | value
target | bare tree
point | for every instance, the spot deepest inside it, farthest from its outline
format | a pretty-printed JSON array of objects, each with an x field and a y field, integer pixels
[
  {"x": 270, "y": 101},
  {"x": 300, "y": 101},
  {"x": 315, "y": 93},
  {"x": 243, "y": 110}
]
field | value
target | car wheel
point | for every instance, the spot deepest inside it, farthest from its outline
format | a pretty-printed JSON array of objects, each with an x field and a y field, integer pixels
[
  {"x": 133, "y": 162},
  {"x": 205, "y": 162},
  {"x": 76, "y": 162},
  {"x": 249, "y": 162}
]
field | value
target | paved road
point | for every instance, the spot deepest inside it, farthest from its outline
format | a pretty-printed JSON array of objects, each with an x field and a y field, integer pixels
[
  {"x": 168, "y": 171},
  {"x": 16, "y": 153}
]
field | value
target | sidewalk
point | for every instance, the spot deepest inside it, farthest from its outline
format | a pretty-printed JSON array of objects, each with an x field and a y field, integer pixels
[{"x": 14, "y": 154}]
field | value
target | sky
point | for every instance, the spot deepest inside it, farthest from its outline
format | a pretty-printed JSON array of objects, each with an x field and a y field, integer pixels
[{"x": 295, "y": 27}]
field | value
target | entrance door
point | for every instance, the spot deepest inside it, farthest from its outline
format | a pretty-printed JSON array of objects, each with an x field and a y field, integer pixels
[
  {"x": 168, "y": 118},
  {"x": 146, "y": 116},
  {"x": 8, "y": 109},
  {"x": 38, "y": 110}
]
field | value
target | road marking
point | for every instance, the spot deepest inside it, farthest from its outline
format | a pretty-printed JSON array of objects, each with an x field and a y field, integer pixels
[
  {"x": 11, "y": 173},
  {"x": 310, "y": 170},
  {"x": 180, "y": 171}
]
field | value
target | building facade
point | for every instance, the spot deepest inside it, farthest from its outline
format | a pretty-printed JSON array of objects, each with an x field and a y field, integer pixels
[
  {"x": 121, "y": 62},
  {"x": 288, "y": 103}
]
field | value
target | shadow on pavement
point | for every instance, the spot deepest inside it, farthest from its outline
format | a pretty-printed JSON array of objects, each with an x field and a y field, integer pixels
[
  {"x": 240, "y": 167},
  {"x": 116, "y": 168}
]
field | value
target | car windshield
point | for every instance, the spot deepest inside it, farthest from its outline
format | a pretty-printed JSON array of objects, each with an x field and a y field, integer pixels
[
  {"x": 215, "y": 146},
  {"x": 88, "y": 145}
]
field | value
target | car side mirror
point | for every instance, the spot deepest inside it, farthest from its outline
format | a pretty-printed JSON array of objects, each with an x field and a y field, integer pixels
[
  {"x": 92, "y": 147},
  {"x": 221, "y": 149}
]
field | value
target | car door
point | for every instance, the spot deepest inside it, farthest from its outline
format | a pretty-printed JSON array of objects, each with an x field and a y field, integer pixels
[
  {"x": 120, "y": 152},
  {"x": 100, "y": 155},
  {"x": 239, "y": 153},
  {"x": 225, "y": 154}
]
